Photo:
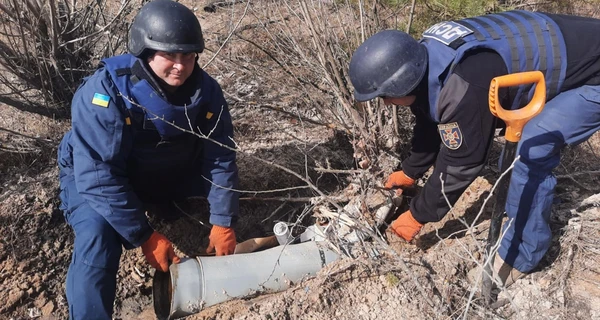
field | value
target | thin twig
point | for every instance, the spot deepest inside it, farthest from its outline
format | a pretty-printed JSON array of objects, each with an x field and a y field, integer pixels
[
  {"x": 256, "y": 191},
  {"x": 295, "y": 199},
  {"x": 28, "y": 136},
  {"x": 576, "y": 174},
  {"x": 228, "y": 36},
  {"x": 348, "y": 171},
  {"x": 273, "y": 213}
]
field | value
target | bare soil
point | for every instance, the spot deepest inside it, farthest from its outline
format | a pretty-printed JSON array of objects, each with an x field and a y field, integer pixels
[
  {"x": 421, "y": 280},
  {"x": 36, "y": 244}
]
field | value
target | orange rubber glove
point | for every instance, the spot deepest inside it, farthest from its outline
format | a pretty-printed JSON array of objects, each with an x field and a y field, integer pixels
[
  {"x": 406, "y": 227},
  {"x": 221, "y": 241},
  {"x": 159, "y": 252},
  {"x": 400, "y": 180}
]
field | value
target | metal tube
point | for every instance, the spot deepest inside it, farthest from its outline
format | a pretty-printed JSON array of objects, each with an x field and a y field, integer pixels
[
  {"x": 282, "y": 232},
  {"x": 201, "y": 282}
]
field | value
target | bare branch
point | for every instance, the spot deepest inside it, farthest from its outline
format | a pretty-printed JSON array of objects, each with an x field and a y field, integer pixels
[{"x": 229, "y": 36}]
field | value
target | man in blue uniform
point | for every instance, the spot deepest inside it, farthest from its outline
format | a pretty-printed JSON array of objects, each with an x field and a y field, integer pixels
[
  {"x": 134, "y": 142},
  {"x": 445, "y": 79}
]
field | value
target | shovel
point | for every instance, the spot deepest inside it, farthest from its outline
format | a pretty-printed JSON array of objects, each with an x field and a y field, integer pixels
[{"x": 515, "y": 121}]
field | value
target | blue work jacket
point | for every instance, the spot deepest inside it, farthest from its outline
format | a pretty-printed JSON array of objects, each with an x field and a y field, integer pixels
[{"x": 128, "y": 145}]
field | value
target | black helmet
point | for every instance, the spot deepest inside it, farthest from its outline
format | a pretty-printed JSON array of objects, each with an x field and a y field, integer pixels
[
  {"x": 165, "y": 25},
  {"x": 390, "y": 63}
]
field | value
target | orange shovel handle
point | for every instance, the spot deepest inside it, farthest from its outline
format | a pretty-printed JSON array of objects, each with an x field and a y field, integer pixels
[{"x": 516, "y": 119}]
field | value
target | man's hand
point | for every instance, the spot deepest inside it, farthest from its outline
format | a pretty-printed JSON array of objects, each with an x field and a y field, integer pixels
[
  {"x": 406, "y": 227},
  {"x": 221, "y": 241},
  {"x": 399, "y": 180},
  {"x": 158, "y": 251}
]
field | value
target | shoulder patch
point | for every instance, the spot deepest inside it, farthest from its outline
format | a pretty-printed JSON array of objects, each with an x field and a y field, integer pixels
[
  {"x": 451, "y": 135},
  {"x": 446, "y": 32},
  {"x": 100, "y": 100}
]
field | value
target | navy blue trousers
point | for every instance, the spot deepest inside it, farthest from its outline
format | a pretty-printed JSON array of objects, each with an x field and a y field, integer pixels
[
  {"x": 568, "y": 119},
  {"x": 92, "y": 276}
]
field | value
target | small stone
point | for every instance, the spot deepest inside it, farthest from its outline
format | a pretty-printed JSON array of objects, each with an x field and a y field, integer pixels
[
  {"x": 560, "y": 296},
  {"x": 14, "y": 296},
  {"x": 40, "y": 302},
  {"x": 364, "y": 164},
  {"x": 371, "y": 297},
  {"x": 24, "y": 285},
  {"x": 34, "y": 313},
  {"x": 23, "y": 265},
  {"x": 48, "y": 309},
  {"x": 365, "y": 309},
  {"x": 136, "y": 277}
]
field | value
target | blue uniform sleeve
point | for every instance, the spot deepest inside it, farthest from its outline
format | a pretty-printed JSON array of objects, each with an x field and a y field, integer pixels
[
  {"x": 101, "y": 143},
  {"x": 219, "y": 163}
]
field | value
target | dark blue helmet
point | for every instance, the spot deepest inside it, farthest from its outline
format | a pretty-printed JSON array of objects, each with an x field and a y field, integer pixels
[
  {"x": 165, "y": 25},
  {"x": 390, "y": 63}
]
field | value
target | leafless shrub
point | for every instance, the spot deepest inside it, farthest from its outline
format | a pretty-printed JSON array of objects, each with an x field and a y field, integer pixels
[
  {"x": 46, "y": 47},
  {"x": 311, "y": 43},
  {"x": 295, "y": 56}
]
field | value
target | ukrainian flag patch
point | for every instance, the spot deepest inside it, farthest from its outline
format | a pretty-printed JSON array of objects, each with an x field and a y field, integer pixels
[{"x": 100, "y": 100}]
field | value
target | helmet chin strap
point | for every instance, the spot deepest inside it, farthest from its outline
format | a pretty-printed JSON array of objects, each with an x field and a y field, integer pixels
[
  {"x": 167, "y": 87},
  {"x": 141, "y": 70}
]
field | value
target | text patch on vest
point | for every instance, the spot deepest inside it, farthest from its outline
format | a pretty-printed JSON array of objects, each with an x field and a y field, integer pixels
[{"x": 446, "y": 32}]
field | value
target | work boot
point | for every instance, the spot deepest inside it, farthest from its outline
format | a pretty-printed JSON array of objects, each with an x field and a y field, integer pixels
[{"x": 503, "y": 273}]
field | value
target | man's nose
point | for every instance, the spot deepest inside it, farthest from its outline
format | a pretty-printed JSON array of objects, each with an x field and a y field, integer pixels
[{"x": 177, "y": 65}]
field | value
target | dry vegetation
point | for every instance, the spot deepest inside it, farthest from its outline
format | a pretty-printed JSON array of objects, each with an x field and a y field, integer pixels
[{"x": 304, "y": 147}]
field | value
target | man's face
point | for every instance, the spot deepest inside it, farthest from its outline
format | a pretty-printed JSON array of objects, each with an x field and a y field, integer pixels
[
  {"x": 172, "y": 68},
  {"x": 402, "y": 101}
]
